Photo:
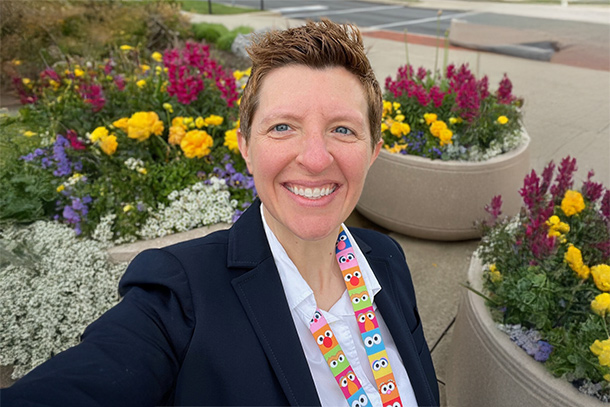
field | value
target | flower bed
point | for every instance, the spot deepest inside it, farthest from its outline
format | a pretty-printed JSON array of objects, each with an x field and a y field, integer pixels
[
  {"x": 547, "y": 270},
  {"x": 452, "y": 116},
  {"x": 116, "y": 140}
]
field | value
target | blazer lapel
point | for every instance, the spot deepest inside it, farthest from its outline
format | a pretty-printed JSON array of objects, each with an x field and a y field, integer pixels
[{"x": 262, "y": 296}]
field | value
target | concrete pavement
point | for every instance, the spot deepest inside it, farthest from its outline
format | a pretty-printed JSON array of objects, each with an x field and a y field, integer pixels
[{"x": 566, "y": 112}]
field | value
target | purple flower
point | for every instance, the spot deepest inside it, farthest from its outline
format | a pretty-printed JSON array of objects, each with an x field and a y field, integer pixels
[
  {"x": 543, "y": 352},
  {"x": 504, "y": 92},
  {"x": 60, "y": 157},
  {"x": 605, "y": 209},
  {"x": 70, "y": 215}
]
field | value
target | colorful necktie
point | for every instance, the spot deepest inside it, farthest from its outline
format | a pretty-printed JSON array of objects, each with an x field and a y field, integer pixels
[{"x": 369, "y": 329}]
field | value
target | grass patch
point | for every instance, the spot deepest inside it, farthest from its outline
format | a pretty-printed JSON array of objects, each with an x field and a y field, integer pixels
[{"x": 202, "y": 7}]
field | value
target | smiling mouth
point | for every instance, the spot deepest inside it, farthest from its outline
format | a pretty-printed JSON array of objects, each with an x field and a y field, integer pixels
[{"x": 312, "y": 193}]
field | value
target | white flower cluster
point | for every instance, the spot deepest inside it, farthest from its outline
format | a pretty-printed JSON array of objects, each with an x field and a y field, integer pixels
[
  {"x": 134, "y": 164},
  {"x": 456, "y": 151},
  {"x": 198, "y": 205},
  {"x": 103, "y": 231},
  {"x": 53, "y": 285}
]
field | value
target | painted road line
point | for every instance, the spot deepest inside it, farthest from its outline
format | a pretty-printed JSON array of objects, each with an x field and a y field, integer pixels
[
  {"x": 424, "y": 20},
  {"x": 298, "y": 9},
  {"x": 347, "y": 11}
]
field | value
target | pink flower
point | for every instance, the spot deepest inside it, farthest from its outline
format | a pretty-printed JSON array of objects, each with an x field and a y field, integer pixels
[
  {"x": 468, "y": 100},
  {"x": 564, "y": 181},
  {"x": 592, "y": 190},
  {"x": 92, "y": 94},
  {"x": 504, "y": 92},
  {"x": 437, "y": 96},
  {"x": 75, "y": 143}
]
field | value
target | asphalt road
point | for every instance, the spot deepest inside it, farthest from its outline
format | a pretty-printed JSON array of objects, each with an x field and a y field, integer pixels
[{"x": 574, "y": 42}]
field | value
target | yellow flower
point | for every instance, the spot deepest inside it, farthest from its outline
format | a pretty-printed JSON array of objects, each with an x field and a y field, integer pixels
[
  {"x": 494, "y": 274},
  {"x": 98, "y": 133},
  {"x": 108, "y": 144},
  {"x": 430, "y": 118},
  {"x": 196, "y": 143},
  {"x": 199, "y": 122},
  {"x": 384, "y": 127},
  {"x": 16, "y": 62},
  {"x": 607, "y": 377},
  {"x": 214, "y": 120},
  {"x": 168, "y": 107},
  {"x": 502, "y": 120},
  {"x": 572, "y": 203},
  {"x": 387, "y": 107},
  {"x": 60, "y": 188},
  {"x": 29, "y": 133},
  {"x": 602, "y": 351},
  {"x": 557, "y": 228},
  {"x": 127, "y": 208},
  {"x": 601, "y": 304},
  {"x": 176, "y": 131},
  {"x": 396, "y": 148},
  {"x": 437, "y": 127},
  {"x": 54, "y": 84},
  {"x": 142, "y": 124},
  {"x": 144, "y": 67},
  {"x": 238, "y": 74},
  {"x": 601, "y": 276},
  {"x": 157, "y": 56},
  {"x": 573, "y": 257},
  {"x": 453, "y": 120},
  {"x": 126, "y": 47},
  {"x": 141, "y": 83},
  {"x": 122, "y": 123},
  {"x": 231, "y": 140},
  {"x": 397, "y": 129},
  {"x": 187, "y": 121},
  {"x": 396, "y": 105},
  {"x": 78, "y": 72},
  {"x": 445, "y": 137},
  {"x": 399, "y": 118},
  {"x": 26, "y": 81},
  {"x": 142, "y": 171}
]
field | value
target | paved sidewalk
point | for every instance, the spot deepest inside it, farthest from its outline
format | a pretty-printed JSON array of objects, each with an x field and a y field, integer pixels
[{"x": 566, "y": 112}]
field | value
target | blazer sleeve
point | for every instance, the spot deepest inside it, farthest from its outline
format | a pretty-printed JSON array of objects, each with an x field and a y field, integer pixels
[{"x": 131, "y": 355}]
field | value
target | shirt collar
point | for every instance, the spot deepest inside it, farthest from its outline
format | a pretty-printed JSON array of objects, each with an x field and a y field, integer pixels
[{"x": 298, "y": 293}]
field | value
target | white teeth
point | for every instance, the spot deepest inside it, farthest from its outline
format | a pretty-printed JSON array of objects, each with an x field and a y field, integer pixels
[{"x": 315, "y": 193}]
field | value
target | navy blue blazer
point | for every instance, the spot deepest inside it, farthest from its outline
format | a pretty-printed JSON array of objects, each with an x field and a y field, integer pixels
[{"x": 206, "y": 323}]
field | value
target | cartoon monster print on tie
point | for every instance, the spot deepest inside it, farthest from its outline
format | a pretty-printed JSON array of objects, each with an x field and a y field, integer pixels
[
  {"x": 359, "y": 399},
  {"x": 373, "y": 342},
  {"x": 337, "y": 362},
  {"x": 367, "y": 320},
  {"x": 360, "y": 299}
]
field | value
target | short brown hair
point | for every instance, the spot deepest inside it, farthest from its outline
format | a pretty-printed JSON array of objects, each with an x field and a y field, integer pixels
[{"x": 316, "y": 45}]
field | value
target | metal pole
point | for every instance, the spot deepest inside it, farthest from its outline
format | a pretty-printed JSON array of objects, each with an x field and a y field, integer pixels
[
  {"x": 209, "y": 6},
  {"x": 262, "y": 4}
]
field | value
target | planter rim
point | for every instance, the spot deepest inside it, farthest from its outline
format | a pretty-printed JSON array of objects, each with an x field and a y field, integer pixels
[
  {"x": 453, "y": 165},
  {"x": 530, "y": 373}
]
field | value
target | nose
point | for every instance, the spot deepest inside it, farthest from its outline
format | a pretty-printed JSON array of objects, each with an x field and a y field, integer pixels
[{"x": 314, "y": 153}]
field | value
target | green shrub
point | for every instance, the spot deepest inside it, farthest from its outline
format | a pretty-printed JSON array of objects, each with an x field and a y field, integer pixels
[
  {"x": 224, "y": 43},
  {"x": 243, "y": 29},
  {"x": 209, "y": 32}
]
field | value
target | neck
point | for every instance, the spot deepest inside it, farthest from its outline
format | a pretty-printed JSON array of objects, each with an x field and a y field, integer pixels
[{"x": 316, "y": 262}]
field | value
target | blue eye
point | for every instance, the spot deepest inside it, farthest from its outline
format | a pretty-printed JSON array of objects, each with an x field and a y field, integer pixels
[
  {"x": 343, "y": 130},
  {"x": 281, "y": 127}
]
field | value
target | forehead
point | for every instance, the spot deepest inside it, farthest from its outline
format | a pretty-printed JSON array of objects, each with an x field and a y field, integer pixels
[{"x": 332, "y": 89}]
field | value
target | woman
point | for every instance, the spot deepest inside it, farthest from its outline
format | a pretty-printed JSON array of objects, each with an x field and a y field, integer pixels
[{"x": 287, "y": 307}]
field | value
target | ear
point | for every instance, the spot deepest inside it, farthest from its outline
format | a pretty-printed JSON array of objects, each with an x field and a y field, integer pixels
[
  {"x": 376, "y": 151},
  {"x": 243, "y": 149}
]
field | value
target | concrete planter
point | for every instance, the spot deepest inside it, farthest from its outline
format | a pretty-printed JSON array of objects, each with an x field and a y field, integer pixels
[
  {"x": 441, "y": 200},
  {"x": 485, "y": 368}
]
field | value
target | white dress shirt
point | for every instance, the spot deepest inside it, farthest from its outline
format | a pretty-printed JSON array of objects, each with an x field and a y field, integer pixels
[{"x": 343, "y": 323}]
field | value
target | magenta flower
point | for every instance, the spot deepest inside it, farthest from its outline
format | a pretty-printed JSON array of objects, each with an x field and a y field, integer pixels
[{"x": 504, "y": 92}]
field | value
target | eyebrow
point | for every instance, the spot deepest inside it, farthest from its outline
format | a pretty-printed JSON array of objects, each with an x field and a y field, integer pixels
[{"x": 347, "y": 115}]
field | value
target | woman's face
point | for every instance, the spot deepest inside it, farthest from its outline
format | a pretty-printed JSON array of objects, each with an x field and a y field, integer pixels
[{"x": 309, "y": 149}]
